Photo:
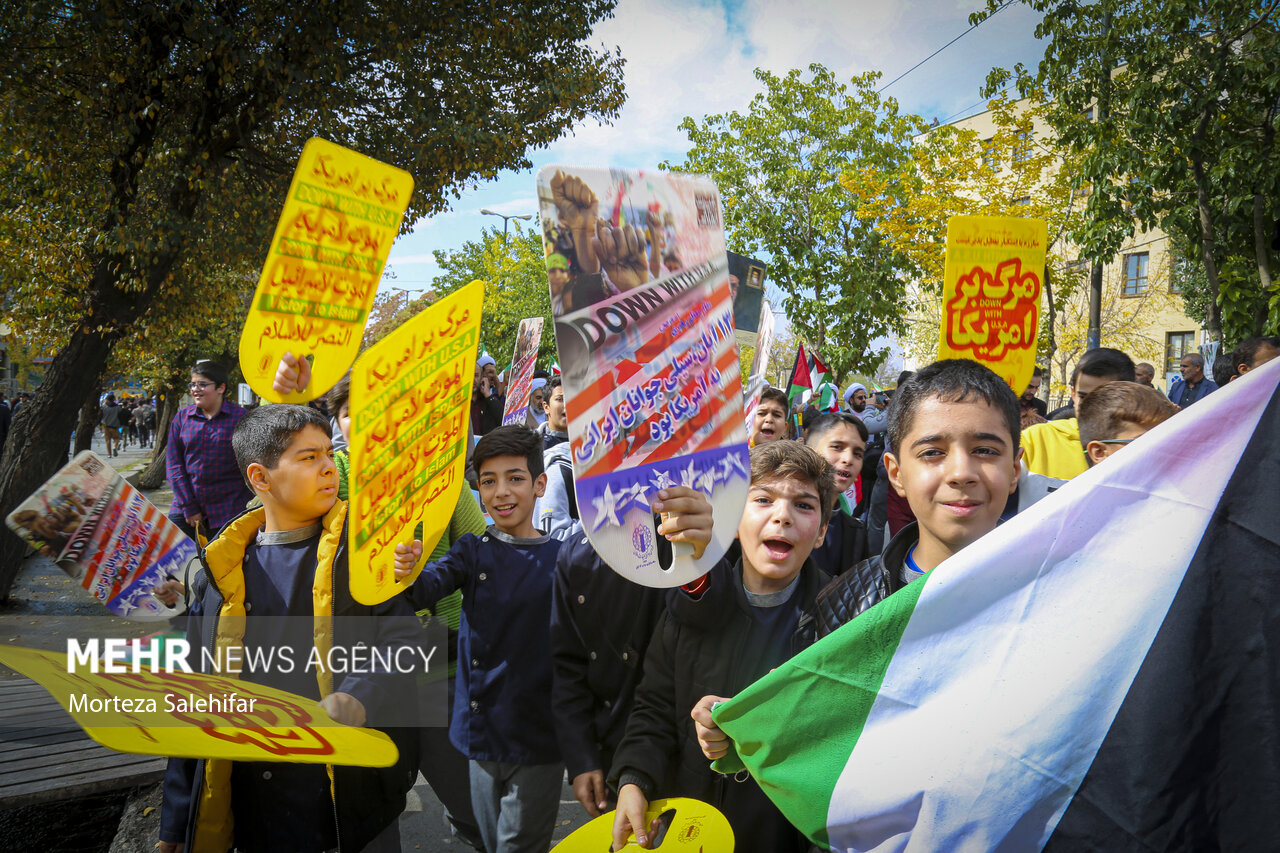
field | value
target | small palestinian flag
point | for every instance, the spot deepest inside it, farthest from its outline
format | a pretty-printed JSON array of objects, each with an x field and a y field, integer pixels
[
  {"x": 828, "y": 394},
  {"x": 801, "y": 386},
  {"x": 1102, "y": 672},
  {"x": 818, "y": 372}
]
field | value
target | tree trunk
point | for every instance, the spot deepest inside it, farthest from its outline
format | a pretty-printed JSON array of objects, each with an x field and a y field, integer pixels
[
  {"x": 1209, "y": 248},
  {"x": 90, "y": 416},
  {"x": 1261, "y": 248},
  {"x": 153, "y": 476},
  {"x": 37, "y": 445}
]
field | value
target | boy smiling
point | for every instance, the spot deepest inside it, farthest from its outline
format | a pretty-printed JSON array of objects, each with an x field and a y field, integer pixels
[
  {"x": 954, "y": 428},
  {"x": 501, "y": 715}
]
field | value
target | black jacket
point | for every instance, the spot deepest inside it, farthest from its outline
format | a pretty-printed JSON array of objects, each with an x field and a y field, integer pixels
[
  {"x": 696, "y": 651},
  {"x": 853, "y": 545},
  {"x": 601, "y": 624},
  {"x": 865, "y": 584}
]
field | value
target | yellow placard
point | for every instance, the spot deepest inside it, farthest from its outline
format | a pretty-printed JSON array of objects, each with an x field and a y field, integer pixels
[
  {"x": 991, "y": 294},
  {"x": 696, "y": 827},
  {"x": 341, "y": 216},
  {"x": 410, "y": 406},
  {"x": 194, "y": 715}
]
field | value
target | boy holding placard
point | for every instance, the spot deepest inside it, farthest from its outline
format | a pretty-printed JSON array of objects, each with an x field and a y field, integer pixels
[
  {"x": 276, "y": 582},
  {"x": 444, "y": 768},
  {"x": 502, "y": 716}
]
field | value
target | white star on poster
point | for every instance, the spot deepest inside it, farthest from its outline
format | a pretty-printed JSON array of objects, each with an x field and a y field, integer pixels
[
  {"x": 606, "y": 508},
  {"x": 662, "y": 480}
]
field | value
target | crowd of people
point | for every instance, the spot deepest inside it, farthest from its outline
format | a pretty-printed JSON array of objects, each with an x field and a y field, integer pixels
[
  {"x": 558, "y": 663},
  {"x": 129, "y": 421}
]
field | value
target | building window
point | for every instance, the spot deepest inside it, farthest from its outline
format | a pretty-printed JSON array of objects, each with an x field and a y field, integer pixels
[
  {"x": 1022, "y": 146},
  {"x": 1021, "y": 202},
  {"x": 988, "y": 159},
  {"x": 1176, "y": 345},
  {"x": 1135, "y": 273}
]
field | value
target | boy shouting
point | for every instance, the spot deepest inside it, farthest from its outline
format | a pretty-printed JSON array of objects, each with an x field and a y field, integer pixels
[{"x": 751, "y": 617}]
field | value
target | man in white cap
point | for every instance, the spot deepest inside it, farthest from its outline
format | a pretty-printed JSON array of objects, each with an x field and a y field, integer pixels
[
  {"x": 536, "y": 415},
  {"x": 487, "y": 401}
]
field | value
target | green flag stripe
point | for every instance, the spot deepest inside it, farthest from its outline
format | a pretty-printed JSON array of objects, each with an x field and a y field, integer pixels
[{"x": 787, "y": 737}]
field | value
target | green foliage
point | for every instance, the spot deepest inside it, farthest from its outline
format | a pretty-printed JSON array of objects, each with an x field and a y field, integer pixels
[
  {"x": 1018, "y": 170},
  {"x": 1183, "y": 136},
  {"x": 513, "y": 267},
  {"x": 778, "y": 168},
  {"x": 144, "y": 144}
]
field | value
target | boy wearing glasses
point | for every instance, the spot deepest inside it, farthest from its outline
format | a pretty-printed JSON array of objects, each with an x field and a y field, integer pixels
[{"x": 208, "y": 490}]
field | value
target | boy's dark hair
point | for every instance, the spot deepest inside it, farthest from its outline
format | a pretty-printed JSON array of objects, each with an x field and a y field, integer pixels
[
  {"x": 509, "y": 440},
  {"x": 211, "y": 370},
  {"x": 827, "y": 421},
  {"x": 778, "y": 396},
  {"x": 1226, "y": 366},
  {"x": 791, "y": 460},
  {"x": 1247, "y": 352},
  {"x": 1104, "y": 413},
  {"x": 954, "y": 380},
  {"x": 1105, "y": 363},
  {"x": 339, "y": 394},
  {"x": 552, "y": 384},
  {"x": 264, "y": 434}
]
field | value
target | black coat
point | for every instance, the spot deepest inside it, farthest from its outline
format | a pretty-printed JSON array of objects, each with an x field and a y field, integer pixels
[
  {"x": 853, "y": 545},
  {"x": 601, "y": 624},
  {"x": 865, "y": 584},
  {"x": 696, "y": 651}
]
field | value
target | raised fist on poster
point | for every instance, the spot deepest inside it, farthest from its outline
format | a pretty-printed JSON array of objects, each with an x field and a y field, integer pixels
[
  {"x": 575, "y": 202},
  {"x": 621, "y": 252}
]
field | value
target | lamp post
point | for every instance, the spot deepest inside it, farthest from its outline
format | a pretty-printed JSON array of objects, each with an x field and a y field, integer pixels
[{"x": 506, "y": 219}]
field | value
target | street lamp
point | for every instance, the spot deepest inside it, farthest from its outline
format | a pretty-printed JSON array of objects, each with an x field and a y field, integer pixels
[{"x": 505, "y": 219}]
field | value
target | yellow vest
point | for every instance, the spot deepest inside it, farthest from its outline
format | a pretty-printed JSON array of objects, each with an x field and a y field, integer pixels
[
  {"x": 214, "y": 829},
  {"x": 1053, "y": 449}
]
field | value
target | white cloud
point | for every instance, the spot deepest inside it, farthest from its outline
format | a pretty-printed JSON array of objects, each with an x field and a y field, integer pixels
[{"x": 697, "y": 57}]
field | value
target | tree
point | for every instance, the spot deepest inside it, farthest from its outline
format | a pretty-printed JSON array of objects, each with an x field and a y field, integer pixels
[
  {"x": 778, "y": 169},
  {"x": 1183, "y": 136},
  {"x": 1124, "y": 320},
  {"x": 513, "y": 267},
  {"x": 1018, "y": 171},
  {"x": 138, "y": 135}
]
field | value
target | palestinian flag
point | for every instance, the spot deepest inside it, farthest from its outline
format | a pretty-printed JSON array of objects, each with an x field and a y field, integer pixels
[
  {"x": 818, "y": 372},
  {"x": 828, "y": 394},
  {"x": 801, "y": 386},
  {"x": 1100, "y": 673}
]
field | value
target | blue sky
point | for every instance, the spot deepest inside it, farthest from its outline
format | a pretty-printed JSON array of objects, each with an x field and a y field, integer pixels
[{"x": 696, "y": 58}]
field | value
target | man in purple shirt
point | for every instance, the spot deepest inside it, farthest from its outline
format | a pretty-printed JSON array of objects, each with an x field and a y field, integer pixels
[{"x": 208, "y": 490}]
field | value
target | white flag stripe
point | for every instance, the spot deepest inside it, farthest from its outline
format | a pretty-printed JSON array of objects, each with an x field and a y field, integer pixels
[{"x": 995, "y": 699}]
